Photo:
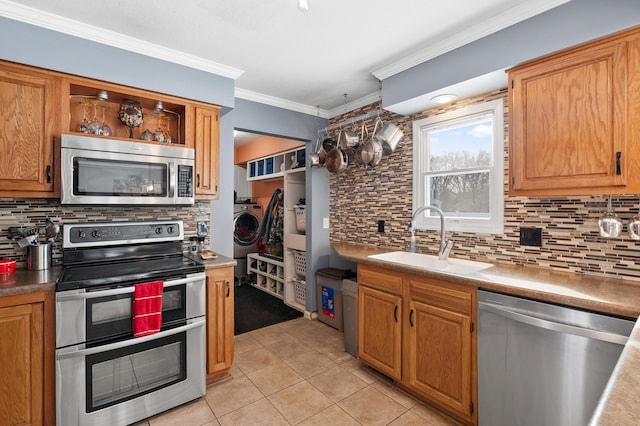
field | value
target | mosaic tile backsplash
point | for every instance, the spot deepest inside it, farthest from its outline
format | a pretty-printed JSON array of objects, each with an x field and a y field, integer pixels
[
  {"x": 33, "y": 212},
  {"x": 571, "y": 242}
]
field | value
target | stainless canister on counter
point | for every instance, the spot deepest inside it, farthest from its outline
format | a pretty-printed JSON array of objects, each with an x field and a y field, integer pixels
[{"x": 39, "y": 256}]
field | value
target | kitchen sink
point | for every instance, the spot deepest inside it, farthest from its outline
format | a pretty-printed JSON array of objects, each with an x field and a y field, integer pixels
[{"x": 432, "y": 263}]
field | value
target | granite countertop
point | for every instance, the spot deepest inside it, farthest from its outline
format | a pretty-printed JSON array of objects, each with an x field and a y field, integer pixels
[
  {"x": 618, "y": 404},
  {"x": 614, "y": 296},
  {"x": 22, "y": 281},
  {"x": 219, "y": 262}
]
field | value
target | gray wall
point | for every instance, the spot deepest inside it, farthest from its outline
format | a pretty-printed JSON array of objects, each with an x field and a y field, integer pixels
[
  {"x": 572, "y": 23},
  {"x": 32, "y": 45},
  {"x": 260, "y": 118}
]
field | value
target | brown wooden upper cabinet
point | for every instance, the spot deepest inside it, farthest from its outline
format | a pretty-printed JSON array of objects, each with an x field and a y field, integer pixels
[
  {"x": 28, "y": 117},
  {"x": 207, "y": 134},
  {"x": 37, "y": 105},
  {"x": 573, "y": 120}
]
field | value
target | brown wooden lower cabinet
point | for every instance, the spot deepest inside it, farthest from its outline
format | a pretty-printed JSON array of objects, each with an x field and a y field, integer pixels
[
  {"x": 380, "y": 330},
  {"x": 420, "y": 332},
  {"x": 219, "y": 322},
  {"x": 26, "y": 360}
]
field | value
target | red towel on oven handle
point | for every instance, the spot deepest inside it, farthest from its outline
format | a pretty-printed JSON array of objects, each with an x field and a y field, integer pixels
[{"x": 147, "y": 308}]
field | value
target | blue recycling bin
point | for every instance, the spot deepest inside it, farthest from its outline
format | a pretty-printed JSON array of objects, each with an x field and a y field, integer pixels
[{"x": 329, "y": 295}]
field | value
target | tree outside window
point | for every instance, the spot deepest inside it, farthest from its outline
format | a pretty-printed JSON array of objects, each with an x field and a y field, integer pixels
[{"x": 458, "y": 159}]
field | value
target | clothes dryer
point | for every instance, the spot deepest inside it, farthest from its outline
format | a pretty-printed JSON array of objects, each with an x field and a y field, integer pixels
[{"x": 246, "y": 221}]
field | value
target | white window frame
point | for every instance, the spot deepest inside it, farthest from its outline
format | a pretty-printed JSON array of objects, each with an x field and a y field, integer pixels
[{"x": 429, "y": 220}]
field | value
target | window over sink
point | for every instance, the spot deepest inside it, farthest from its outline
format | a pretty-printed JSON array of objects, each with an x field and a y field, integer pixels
[{"x": 458, "y": 166}]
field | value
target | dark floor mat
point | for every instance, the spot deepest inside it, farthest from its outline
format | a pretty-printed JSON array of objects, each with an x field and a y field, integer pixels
[{"x": 254, "y": 309}]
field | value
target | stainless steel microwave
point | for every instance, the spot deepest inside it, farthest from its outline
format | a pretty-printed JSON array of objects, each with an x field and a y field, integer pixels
[{"x": 106, "y": 171}]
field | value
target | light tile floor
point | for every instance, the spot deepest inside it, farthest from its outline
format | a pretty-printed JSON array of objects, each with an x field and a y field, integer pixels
[{"x": 297, "y": 373}]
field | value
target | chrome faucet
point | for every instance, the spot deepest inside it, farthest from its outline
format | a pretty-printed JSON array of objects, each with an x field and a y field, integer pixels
[{"x": 445, "y": 246}]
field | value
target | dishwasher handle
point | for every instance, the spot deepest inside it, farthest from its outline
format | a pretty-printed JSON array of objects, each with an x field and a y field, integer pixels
[{"x": 604, "y": 336}]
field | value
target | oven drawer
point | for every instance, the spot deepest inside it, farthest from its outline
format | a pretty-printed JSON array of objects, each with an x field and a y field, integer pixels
[
  {"x": 130, "y": 380},
  {"x": 88, "y": 316}
]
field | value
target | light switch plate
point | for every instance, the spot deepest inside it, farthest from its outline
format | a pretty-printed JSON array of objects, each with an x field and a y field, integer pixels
[{"x": 325, "y": 222}]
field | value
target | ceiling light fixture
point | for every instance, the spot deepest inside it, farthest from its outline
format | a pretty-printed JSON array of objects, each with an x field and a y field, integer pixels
[
  {"x": 444, "y": 99},
  {"x": 303, "y": 5}
]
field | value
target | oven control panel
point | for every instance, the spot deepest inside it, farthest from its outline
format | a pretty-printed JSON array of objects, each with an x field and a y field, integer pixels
[{"x": 110, "y": 233}]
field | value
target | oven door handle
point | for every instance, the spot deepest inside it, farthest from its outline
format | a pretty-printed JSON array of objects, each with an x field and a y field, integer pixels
[
  {"x": 122, "y": 290},
  {"x": 73, "y": 353}
]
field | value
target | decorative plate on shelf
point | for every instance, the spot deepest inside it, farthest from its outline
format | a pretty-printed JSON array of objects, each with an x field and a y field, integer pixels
[{"x": 130, "y": 114}]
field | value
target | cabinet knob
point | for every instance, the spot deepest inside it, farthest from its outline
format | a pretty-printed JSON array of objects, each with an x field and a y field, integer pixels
[
  {"x": 48, "y": 173},
  {"x": 228, "y": 288},
  {"x": 411, "y": 318}
]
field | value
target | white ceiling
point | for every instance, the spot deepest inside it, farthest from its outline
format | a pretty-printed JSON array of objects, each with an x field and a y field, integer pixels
[{"x": 277, "y": 53}]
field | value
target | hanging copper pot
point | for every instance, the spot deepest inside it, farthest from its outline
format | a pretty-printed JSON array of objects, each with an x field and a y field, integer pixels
[{"x": 336, "y": 161}]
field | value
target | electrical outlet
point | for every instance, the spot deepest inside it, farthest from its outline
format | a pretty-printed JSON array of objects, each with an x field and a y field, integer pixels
[
  {"x": 531, "y": 237},
  {"x": 381, "y": 226}
]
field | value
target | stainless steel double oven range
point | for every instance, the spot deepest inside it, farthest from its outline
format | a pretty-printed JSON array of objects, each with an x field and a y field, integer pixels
[{"x": 105, "y": 375}]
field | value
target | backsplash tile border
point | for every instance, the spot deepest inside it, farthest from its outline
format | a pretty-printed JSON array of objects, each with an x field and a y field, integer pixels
[
  {"x": 360, "y": 197},
  {"x": 25, "y": 212}
]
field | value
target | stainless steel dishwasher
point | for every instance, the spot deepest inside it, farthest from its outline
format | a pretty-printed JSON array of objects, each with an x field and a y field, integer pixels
[{"x": 543, "y": 364}]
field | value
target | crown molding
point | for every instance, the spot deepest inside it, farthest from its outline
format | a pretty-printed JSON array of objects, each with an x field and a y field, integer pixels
[
  {"x": 67, "y": 26},
  {"x": 498, "y": 22},
  {"x": 306, "y": 109},
  {"x": 280, "y": 103}
]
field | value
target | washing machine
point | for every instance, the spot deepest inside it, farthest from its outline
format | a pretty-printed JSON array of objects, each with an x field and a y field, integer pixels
[{"x": 246, "y": 221}]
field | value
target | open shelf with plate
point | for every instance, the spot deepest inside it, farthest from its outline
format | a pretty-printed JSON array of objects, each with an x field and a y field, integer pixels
[{"x": 103, "y": 109}]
